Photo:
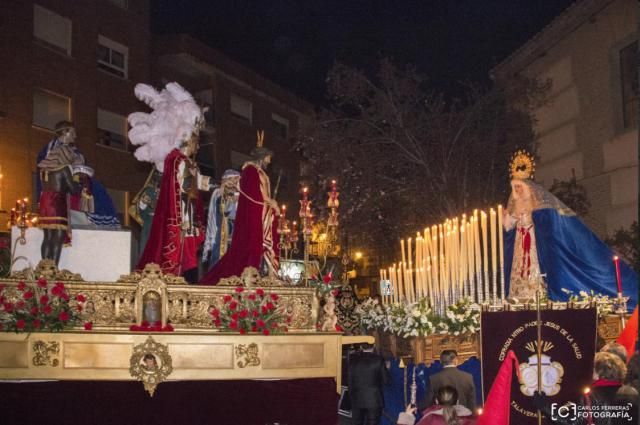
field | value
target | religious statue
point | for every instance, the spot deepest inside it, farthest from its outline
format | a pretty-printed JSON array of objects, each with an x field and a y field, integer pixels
[
  {"x": 91, "y": 205},
  {"x": 254, "y": 235},
  {"x": 168, "y": 137},
  {"x": 547, "y": 244},
  {"x": 222, "y": 214},
  {"x": 143, "y": 205},
  {"x": 56, "y": 177}
]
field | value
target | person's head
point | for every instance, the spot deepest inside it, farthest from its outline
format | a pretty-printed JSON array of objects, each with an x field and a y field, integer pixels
[
  {"x": 191, "y": 145},
  {"x": 449, "y": 357},
  {"x": 149, "y": 360},
  {"x": 230, "y": 179},
  {"x": 617, "y": 349},
  {"x": 367, "y": 348},
  {"x": 446, "y": 396},
  {"x": 262, "y": 156},
  {"x": 633, "y": 372},
  {"x": 65, "y": 131},
  {"x": 609, "y": 366}
]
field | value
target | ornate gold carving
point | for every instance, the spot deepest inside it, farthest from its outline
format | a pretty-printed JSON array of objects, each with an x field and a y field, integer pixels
[
  {"x": 250, "y": 354},
  {"x": 47, "y": 269},
  {"x": 151, "y": 364},
  {"x": 45, "y": 353},
  {"x": 251, "y": 278},
  {"x": 151, "y": 296},
  {"x": 152, "y": 270}
]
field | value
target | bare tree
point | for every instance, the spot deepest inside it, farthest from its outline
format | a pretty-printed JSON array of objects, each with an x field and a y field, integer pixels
[{"x": 405, "y": 157}]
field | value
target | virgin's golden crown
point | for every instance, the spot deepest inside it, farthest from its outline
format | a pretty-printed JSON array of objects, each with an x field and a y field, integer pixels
[{"x": 522, "y": 165}]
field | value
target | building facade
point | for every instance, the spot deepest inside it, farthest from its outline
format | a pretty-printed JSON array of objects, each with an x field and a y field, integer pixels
[
  {"x": 240, "y": 103},
  {"x": 590, "y": 124},
  {"x": 62, "y": 61}
]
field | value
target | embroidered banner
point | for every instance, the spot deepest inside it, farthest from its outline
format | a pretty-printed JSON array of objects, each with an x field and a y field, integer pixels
[{"x": 568, "y": 348}]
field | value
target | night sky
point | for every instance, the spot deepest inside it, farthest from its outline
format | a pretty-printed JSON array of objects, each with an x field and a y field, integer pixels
[{"x": 294, "y": 43}]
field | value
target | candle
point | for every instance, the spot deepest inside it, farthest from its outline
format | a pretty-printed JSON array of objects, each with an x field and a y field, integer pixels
[
  {"x": 476, "y": 237},
  {"x": 485, "y": 253},
  {"x": 616, "y": 261},
  {"x": 494, "y": 254},
  {"x": 501, "y": 252},
  {"x": 409, "y": 271}
]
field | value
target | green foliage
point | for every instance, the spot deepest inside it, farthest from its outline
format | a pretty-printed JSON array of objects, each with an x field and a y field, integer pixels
[{"x": 626, "y": 244}]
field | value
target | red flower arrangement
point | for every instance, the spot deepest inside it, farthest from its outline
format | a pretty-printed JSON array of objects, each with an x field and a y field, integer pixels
[
  {"x": 151, "y": 327},
  {"x": 251, "y": 311},
  {"x": 38, "y": 306}
]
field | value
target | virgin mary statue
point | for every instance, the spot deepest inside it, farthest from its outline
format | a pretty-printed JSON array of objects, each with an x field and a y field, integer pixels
[{"x": 547, "y": 244}]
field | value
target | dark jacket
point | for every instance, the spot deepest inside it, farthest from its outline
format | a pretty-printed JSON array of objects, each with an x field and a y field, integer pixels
[
  {"x": 461, "y": 381},
  {"x": 367, "y": 377}
]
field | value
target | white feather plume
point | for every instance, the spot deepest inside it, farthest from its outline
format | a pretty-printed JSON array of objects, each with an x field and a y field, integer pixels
[{"x": 174, "y": 118}]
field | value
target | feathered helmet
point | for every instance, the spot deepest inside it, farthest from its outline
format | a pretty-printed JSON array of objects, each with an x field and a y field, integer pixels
[{"x": 260, "y": 152}]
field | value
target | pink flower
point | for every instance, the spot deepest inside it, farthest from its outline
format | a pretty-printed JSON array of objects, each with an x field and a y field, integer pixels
[
  {"x": 46, "y": 309},
  {"x": 226, "y": 298},
  {"x": 88, "y": 326},
  {"x": 64, "y": 316},
  {"x": 233, "y": 325},
  {"x": 21, "y": 286},
  {"x": 36, "y": 324},
  {"x": 233, "y": 305},
  {"x": 20, "y": 324},
  {"x": 264, "y": 310},
  {"x": 327, "y": 278},
  {"x": 27, "y": 295},
  {"x": 252, "y": 297},
  {"x": 239, "y": 289},
  {"x": 80, "y": 298},
  {"x": 42, "y": 282},
  {"x": 266, "y": 331},
  {"x": 243, "y": 314},
  {"x": 260, "y": 292},
  {"x": 59, "y": 285},
  {"x": 260, "y": 323},
  {"x": 34, "y": 310},
  {"x": 243, "y": 331},
  {"x": 254, "y": 329},
  {"x": 274, "y": 297},
  {"x": 234, "y": 316},
  {"x": 44, "y": 299},
  {"x": 217, "y": 322},
  {"x": 215, "y": 312},
  {"x": 255, "y": 313},
  {"x": 270, "y": 306}
]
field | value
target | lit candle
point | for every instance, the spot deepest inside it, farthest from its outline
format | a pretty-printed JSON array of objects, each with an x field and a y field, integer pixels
[
  {"x": 485, "y": 253},
  {"x": 494, "y": 256},
  {"x": 616, "y": 261},
  {"x": 501, "y": 253},
  {"x": 478, "y": 264}
]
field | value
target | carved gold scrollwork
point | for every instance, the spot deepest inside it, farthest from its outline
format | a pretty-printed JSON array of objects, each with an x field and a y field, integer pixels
[
  {"x": 247, "y": 354},
  {"x": 48, "y": 270},
  {"x": 45, "y": 353},
  {"x": 151, "y": 364}
]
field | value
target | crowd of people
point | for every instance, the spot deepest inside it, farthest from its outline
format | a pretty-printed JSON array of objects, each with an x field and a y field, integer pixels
[{"x": 450, "y": 395}]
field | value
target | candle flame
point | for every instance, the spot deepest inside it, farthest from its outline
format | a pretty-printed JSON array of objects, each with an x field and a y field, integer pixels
[{"x": 615, "y": 258}]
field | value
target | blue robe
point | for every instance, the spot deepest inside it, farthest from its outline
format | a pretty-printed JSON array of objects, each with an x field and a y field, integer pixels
[{"x": 573, "y": 258}]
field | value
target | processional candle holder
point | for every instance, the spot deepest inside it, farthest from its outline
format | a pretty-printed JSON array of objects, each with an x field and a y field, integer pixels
[
  {"x": 284, "y": 233},
  {"x": 332, "y": 221},
  {"x": 306, "y": 222},
  {"x": 21, "y": 218}
]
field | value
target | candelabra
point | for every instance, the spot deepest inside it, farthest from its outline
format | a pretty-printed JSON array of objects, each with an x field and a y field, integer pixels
[
  {"x": 332, "y": 221},
  {"x": 306, "y": 222},
  {"x": 21, "y": 218}
]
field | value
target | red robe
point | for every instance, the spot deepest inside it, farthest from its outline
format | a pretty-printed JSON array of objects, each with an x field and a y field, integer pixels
[
  {"x": 247, "y": 248},
  {"x": 166, "y": 246}
]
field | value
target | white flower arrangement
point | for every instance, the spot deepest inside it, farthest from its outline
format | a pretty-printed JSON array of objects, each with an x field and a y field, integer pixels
[
  {"x": 372, "y": 314},
  {"x": 460, "y": 318},
  {"x": 605, "y": 305}
]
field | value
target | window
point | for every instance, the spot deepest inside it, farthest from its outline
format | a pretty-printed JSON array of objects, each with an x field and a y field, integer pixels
[
  {"x": 205, "y": 100},
  {"x": 112, "y": 57},
  {"x": 241, "y": 108},
  {"x": 629, "y": 61},
  {"x": 52, "y": 29},
  {"x": 112, "y": 130},
  {"x": 50, "y": 108},
  {"x": 280, "y": 126}
]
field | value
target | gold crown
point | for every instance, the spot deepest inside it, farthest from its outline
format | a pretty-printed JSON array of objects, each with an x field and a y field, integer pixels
[
  {"x": 522, "y": 165},
  {"x": 532, "y": 345},
  {"x": 260, "y": 138}
]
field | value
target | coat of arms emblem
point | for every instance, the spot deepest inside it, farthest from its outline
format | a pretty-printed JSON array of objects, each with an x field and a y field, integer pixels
[{"x": 552, "y": 372}]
